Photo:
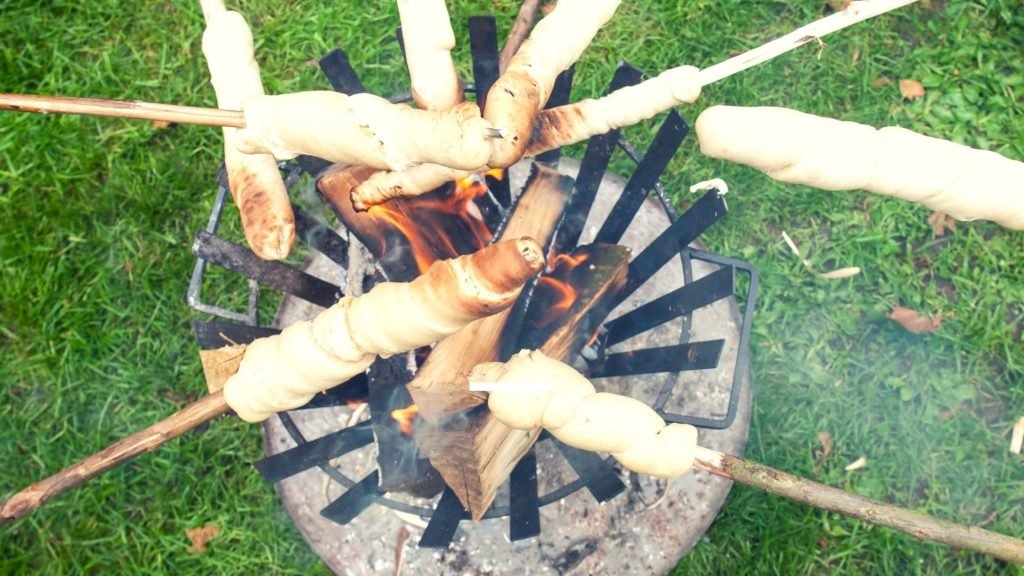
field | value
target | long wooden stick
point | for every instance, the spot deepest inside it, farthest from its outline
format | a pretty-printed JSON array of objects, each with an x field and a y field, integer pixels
[
  {"x": 521, "y": 28},
  {"x": 918, "y": 525},
  {"x": 147, "y": 440},
  {"x": 122, "y": 109}
]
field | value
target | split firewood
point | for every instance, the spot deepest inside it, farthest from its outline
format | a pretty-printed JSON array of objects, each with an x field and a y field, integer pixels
[
  {"x": 428, "y": 38},
  {"x": 792, "y": 146},
  {"x": 564, "y": 125},
  {"x": 477, "y": 456},
  {"x": 633, "y": 433},
  {"x": 285, "y": 371},
  {"x": 254, "y": 179},
  {"x": 522, "y": 90},
  {"x": 365, "y": 129}
]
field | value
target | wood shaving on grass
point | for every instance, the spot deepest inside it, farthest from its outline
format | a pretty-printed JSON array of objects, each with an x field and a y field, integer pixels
[
  {"x": 1017, "y": 438},
  {"x": 838, "y": 274}
]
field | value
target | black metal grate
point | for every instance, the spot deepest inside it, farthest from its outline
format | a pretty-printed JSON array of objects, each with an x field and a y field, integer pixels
[{"x": 598, "y": 475}]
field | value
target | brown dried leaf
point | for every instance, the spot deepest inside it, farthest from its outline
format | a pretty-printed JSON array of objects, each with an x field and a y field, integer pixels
[
  {"x": 911, "y": 89},
  {"x": 913, "y": 321},
  {"x": 160, "y": 124},
  {"x": 941, "y": 222},
  {"x": 881, "y": 82},
  {"x": 838, "y": 5},
  {"x": 201, "y": 536},
  {"x": 826, "y": 445}
]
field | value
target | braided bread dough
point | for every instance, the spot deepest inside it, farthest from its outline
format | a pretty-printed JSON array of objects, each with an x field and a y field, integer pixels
[
  {"x": 428, "y": 38},
  {"x": 285, "y": 371},
  {"x": 364, "y": 129},
  {"x": 518, "y": 95},
  {"x": 792, "y": 146},
  {"x": 254, "y": 179},
  {"x": 576, "y": 414}
]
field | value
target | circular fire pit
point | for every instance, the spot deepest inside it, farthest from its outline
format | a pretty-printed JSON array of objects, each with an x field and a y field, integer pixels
[{"x": 646, "y": 529}]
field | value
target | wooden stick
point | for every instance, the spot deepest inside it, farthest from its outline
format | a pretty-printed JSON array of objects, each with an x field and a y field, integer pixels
[
  {"x": 520, "y": 30},
  {"x": 564, "y": 125},
  {"x": 147, "y": 440},
  {"x": 122, "y": 109},
  {"x": 918, "y": 525}
]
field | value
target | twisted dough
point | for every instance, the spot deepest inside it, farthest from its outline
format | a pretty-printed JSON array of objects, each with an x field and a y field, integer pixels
[
  {"x": 254, "y": 179},
  {"x": 795, "y": 147},
  {"x": 428, "y": 37},
  {"x": 576, "y": 414},
  {"x": 285, "y": 371},
  {"x": 364, "y": 129}
]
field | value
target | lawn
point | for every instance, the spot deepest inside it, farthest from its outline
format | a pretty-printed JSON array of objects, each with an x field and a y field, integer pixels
[{"x": 98, "y": 216}]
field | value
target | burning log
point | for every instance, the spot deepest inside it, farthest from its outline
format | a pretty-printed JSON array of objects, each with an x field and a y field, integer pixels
[
  {"x": 637, "y": 437},
  {"x": 523, "y": 88},
  {"x": 285, "y": 371},
  {"x": 792, "y": 146},
  {"x": 428, "y": 38},
  {"x": 440, "y": 388},
  {"x": 254, "y": 179}
]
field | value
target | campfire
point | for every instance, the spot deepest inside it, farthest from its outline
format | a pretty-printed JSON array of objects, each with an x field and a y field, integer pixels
[{"x": 475, "y": 313}]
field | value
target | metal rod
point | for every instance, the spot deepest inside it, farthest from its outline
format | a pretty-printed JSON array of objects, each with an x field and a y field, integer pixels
[
  {"x": 122, "y": 109},
  {"x": 918, "y": 525}
]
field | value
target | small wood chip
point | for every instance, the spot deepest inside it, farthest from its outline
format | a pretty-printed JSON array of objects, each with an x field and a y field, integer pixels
[
  {"x": 220, "y": 364},
  {"x": 858, "y": 463},
  {"x": 1017, "y": 440}
]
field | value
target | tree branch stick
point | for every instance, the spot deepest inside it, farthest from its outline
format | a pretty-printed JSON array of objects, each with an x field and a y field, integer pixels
[
  {"x": 122, "y": 109},
  {"x": 918, "y": 525},
  {"x": 147, "y": 440},
  {"x": 520, "y": 30}
]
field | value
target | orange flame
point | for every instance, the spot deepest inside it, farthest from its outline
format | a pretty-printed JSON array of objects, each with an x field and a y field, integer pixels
[
  {"x": 405, "y": 417},
  {"x": 421, "y": 219},
  {"x": 555, "y": 286}
]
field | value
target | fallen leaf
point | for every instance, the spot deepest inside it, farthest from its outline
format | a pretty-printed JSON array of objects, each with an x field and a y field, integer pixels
[
  {"x": 941, "y": 222},
  {"x": 826, "y": 445},
  {"x": 858, "y": 463},
  {"x": 160, "y": 124},
  {"x": 881, "y": 82},
  {"x": 1017, "y": 441},
  {"x": 201, "y": 536},
  {"x": 838, "y": 5},
  {"x": 913, "y": 321},
  {"x": 911, "y": 89}
]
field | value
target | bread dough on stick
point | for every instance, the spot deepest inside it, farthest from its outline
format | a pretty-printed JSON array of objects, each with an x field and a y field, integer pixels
[
  {"x": 564, "y": 125},
  {"x": 420, "y": 179},
  {"x": 575, "y": 413},
  {"x": 254, "y": 179},
  {"x": 285, "y": 371},
  {"x": 428, "y": 39},
  {"x": 364, "y": 129},
  {"x": 555, "y": 43},
  {"x": 792, "y": 146}
]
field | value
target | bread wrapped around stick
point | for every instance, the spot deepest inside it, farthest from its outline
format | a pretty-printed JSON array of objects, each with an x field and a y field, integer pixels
[
  {"x": 792, "y": 146},
  {"x": 254, "y": 179},
  {"x": 575, "y": 413},
  {"x": 555, "y": 43},
  {"x": 383, "y": 186},
  {"x": 364, "y": 129},
  {"x": 285, "y": 371},
  {"x": 428, "y": 38}
]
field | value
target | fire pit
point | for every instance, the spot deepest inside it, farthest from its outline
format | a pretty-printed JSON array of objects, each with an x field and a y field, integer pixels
[{"x": 671, "y": 335}]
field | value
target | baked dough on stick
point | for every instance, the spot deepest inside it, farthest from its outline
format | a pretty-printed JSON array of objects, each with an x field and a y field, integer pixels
[
  {"x": 555, "y": 43},
  {"x": 364, "y": 129},
  {"x": 428, "y": 38},
  {"x": 285, "y": 371},
  {"x": 800, "y": 148},
  {"x": 254, "y": 179},
  {"x": 575, "y": 413}
]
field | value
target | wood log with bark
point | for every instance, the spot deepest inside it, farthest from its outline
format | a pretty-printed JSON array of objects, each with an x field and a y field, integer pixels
[
  {"x": 792, "y": 146},
  {"x": 254, "y": 179}
]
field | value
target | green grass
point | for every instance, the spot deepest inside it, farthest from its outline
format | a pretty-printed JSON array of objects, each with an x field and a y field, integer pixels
[{"x": 98, "y": 214}]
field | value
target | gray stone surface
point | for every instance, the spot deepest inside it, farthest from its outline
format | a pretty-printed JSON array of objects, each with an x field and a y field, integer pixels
[{"x": 643, "y": 531}]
